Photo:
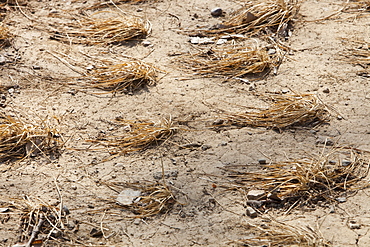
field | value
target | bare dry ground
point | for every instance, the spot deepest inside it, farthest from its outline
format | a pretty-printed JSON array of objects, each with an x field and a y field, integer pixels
[{"x": 45, "y": 74}]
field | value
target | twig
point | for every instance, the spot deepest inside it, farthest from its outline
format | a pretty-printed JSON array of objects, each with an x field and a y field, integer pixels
[{"x": 35, "y": 231}]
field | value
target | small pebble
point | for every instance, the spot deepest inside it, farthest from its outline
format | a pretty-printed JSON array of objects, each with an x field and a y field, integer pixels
[
  {"x": 218, "y": 122},
  {"x": 206, "y": 147},
  {"x": 285, "y": 91},
  {"x": 146, "y": 43},
  {"x": 90, "y": 67},
  {"x": 251, "y": 212},
  {"x": 221, "y": 41},
  {"x": 74, "y": 187},
  {"x": 346, "y": 162},
  {"x": 11, "y": 90},
  {"x": 332, "y": 209},
  {"x": 216, "y": 12},
  {"x": 354, "y": 226},
  {"x": 36, "y": 67},
  {"x": 341, "y": 199},
  {"x": 326, "y": 90},
  {"x": 256, "y": 194},
  {"x": 339, "y": 117},
  {"x": 137, "y": 221},
  {"x": 139, "y": 10},
  {"x": 262, "y": 161},
  {"x": 271, "y": 51},
  {"x": 223, "y": 143}
]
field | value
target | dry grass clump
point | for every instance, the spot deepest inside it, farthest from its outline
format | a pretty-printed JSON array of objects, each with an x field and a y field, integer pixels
[
  {"x": 124, "y": 77},
  {"x": 284, "y": 111},
  {"x": 5, "y": 36},
  {"x": 281, "y": 234},
  {"x": 358, "y": 53},
  {"x": 39, "y": 221},
  {"x": 154, "y": 198},
  {"x": 307, "y": 181},
  {"x": 231, "y": 61},
  {"x": 255, "y": 17},
  {"x": 137, "y": 135},
  {"x": 20, "y": 139},
  {"x": 358, "y": 6},
  {"x": 104, "y": 27}
]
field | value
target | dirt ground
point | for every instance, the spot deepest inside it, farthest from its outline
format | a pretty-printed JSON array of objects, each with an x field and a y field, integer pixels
[{"x": 206, "y": 214}]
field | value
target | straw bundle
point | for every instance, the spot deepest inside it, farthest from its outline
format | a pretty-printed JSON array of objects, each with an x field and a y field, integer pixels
[
  {"x": 358, "y": 54},
  {"x": 104, "y": 27},
  {"x": 155, "y": 198},
  {"x": 255, "y": 17},
  {"x": 39, "y": 221},
  {"x": 281, "y": 234},
  {"x": 322, "y": 178},
  {"x": 139, "y": 135},
  {"x": 124, "y": 77},
  {"x": 20, "y": 140},
  {"x": 231, "y": 61},
  {"x": 5, "y": 36},
  {"x": 284, "y": 111}
]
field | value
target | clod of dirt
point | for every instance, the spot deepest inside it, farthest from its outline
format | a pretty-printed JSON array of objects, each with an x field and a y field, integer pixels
[{"x": 127, "y": 196}]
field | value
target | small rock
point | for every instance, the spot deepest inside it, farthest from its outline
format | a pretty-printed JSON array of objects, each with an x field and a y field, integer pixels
[
  {"x": 72, "y": 92},
  {"x": 273, "y": 196},
  {"x": 262, "y": 161},
  {"x": 256, "y": 194},
  {"x": 354, "y": 226},
  {"x": 223, "y": 143},
  {"x": 221, "y": 41},
  {"x": 11, "y": 90},
  {"x": 326, "y": 90},
  {"x": 346, "y": 162},
  {"x": 285, "y": 91},
  {"x": 251, "y": 212},
  {"x": 332, "y": 209},
  {"x": 127, "y": 196},
  {"x": 271, "y": 52},
  {"x": 146, "y": 43},
  {"x": 206, "y": 147},
  {"x": 250, "y": 17},
  {"x": 252, "y": 87},
  {"x": 55, "y": 234},
  {"x": 139, "y": 10},
  {"x": 36, "y": 67},
  {"x": 137, "y": 221},
  {"x": 218, "y": 122},
  {"x": 246, "y": 81},
  {"x": 340, "y": 117},
  {"x": 167, "y": 174},
  {"x": 3, "y": 210},
  {"x": 95, "y": 233},
  {"x": 216, "y": 12},
  {"x": 74, "y": 187},
  {"x": 90, "y": 67},
  {"x": 3, "y": 59},
  {"x": 341, "y": 199}
]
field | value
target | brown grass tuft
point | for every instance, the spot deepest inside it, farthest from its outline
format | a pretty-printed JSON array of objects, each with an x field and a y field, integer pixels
[
  {"x": 155, "y": 198},
  {"x": 231, "y": 61},
  {"x": 284, "y": 111},
  {"x": 358, "y": 53},
  {"x": 281, "y": 234},
  {"x": 255, "y": 17},
  {"x": 307, "y": 181},
  {"x": 124, "y": 77},
  {"x": 137, "y": 135},
  {"x": 104, "y": 27},
  {"x": 20, "y": 140}
]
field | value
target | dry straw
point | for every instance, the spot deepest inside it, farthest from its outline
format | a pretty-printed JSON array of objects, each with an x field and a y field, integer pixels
[
  {"x": 232, "y": 61},
  {"x": 20, "y": 139},
  {"x": 358, "y": 53},
  {"x": 104, "y": 27},
  {"x": 255, "y": 17},
  {"x": 155, "y": 198},
  {"x": 5, "y": 36},
  {"x": 137, "y": 135},
  {"x": 123, "y": 77},
  {"x": 284, "y": 111},
  {"x": 307, "y": 181},
  {"x": 282, "y": 234}
]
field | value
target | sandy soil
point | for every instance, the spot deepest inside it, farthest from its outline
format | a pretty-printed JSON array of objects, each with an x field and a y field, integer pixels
[{"x": 206, "y": 214}]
